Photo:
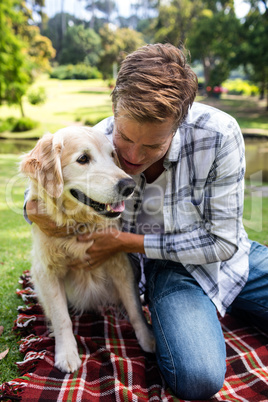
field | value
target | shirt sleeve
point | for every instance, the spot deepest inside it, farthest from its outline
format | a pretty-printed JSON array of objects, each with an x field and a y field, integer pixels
[{"x": 217, "y": 237}]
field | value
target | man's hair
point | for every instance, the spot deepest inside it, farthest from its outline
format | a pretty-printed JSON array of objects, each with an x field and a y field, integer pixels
[{"x": 154, "y": 83}]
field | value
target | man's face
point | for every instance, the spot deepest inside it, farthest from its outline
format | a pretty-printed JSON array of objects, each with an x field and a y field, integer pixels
[{"x": 141, "y": 145}]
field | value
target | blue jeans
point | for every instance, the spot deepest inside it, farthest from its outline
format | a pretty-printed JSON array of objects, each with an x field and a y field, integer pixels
[{"x": 190, "y": 349}]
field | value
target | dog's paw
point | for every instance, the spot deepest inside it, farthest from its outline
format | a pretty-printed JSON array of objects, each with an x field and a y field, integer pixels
[
  {"x": 147, "y": 341},
  {"x": 68, "y": 362}
]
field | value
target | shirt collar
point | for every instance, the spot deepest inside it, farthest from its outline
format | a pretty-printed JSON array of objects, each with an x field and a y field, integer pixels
[{"x": 174, "y": 149}]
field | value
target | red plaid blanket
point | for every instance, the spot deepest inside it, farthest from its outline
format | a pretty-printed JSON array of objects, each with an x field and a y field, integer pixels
[{"x": 114, "y": 366}]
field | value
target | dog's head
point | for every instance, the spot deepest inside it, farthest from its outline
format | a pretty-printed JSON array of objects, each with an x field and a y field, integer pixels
[{"x": 79, "y": 164}]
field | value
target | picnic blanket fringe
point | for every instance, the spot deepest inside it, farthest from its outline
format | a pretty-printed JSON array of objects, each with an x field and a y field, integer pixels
[{"x": 11, "y": 391}]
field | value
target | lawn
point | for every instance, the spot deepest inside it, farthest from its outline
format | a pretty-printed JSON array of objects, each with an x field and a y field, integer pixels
[
  {"x": 74, "y": 102},
  {"x": 249, "y": 111},
  {"x": 15, "y": 245},
  {"x": 68, "y": 102}
]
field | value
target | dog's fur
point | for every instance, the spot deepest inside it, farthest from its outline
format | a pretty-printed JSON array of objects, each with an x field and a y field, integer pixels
[{"x": 79, "y": 158}]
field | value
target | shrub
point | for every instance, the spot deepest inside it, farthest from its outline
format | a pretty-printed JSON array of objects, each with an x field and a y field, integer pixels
[
  {"x": 93, "y": 121},
  {"x": 37, "y": 96},
  {"x": 7, "y": 124},
  {"x": 78, "y": 71},
  {"x": 241, "y": 87},
  {"x": 24, "y": 124}
]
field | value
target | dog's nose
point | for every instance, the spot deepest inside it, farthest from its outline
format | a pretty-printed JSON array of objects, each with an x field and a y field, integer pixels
[{"x": 126, "y": 187}]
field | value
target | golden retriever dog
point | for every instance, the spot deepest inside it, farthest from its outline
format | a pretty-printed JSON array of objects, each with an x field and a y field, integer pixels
[{"x": 75, "y": 178}]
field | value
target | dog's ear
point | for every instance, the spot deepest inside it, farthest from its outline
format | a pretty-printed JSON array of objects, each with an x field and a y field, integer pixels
[
  {"x": 116, "y": 159},
  {"x": 43, "y": 164}
]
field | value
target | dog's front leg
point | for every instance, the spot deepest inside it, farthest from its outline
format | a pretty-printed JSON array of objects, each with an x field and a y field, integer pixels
[
  {"x": 51, "y": 293},
  {"x": 128, "y": 291}
]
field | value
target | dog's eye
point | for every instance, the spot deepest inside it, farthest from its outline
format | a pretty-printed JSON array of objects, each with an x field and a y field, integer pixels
[{"x": 83, "y": 159}]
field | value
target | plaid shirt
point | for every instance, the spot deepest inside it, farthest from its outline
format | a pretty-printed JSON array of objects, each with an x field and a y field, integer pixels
[{"x": 203, "y": 203}]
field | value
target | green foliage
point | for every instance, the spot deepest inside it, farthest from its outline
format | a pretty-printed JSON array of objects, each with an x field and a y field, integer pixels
[
  {"x": 92, "y": 121},
  {"x": 175, "y": 20},
  {"x": 252, "y": 51},
  {"x": 79, "y": 72},
  {"x": 17, "y": 125},
  {"x": 116, "y": 44},
  {"x": 240, "y": 87},
  {"x": 212, "y": 40},
  {"x": 15, "y": 69},
  {"x": 106, "y": 7},
  {"x": 24, "y": 124},
  {"x": 7, "y": 124},
  {"x": 80, "y": 45},
  {"x": 39, "y": 50},
  {"x": 54, "y": 29},
  {"x": 23, "y": 51},
  {"x": 37, "y": 96}
]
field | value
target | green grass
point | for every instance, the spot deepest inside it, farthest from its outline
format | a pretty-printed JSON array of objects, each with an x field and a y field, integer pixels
[
  {"x": 249, "y": 111},
  {"x": 15, "y": 245},
  {"x": 68, "y": 102},
  {"x": 256, "y": 218}
]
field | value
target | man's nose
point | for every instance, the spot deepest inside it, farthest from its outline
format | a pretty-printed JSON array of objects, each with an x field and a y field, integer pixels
[{"x": 135, "y": 154}]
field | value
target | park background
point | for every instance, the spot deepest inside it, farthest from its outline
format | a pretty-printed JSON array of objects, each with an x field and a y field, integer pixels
[{"x": 58, "y": 64}]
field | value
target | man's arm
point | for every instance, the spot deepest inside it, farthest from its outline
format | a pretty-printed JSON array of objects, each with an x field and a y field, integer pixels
[{"x": 46, "y": 225}]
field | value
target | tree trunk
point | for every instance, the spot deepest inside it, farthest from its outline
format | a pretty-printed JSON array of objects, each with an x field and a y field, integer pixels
[
  {"x": 21, "y": 108},
  {"x": 206, "y": 67}
]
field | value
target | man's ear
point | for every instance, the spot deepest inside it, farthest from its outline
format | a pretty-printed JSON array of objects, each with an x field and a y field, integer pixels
[{"x": 44, "y": 165}]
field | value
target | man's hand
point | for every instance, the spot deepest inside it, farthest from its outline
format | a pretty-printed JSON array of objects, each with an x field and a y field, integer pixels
[
  {"x": 44, "y": 223},
  {"x": 108, "y": 242}
]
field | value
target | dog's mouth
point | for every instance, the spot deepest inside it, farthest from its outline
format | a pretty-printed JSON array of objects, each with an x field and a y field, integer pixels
[{"x": 112, "y": 210}]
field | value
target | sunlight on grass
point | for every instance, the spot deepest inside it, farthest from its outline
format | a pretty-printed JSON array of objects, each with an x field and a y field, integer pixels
[{"x": 68, "y": 102}]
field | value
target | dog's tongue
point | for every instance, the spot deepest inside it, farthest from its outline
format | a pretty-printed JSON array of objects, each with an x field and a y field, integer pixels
[{"x": 116, "y": 207}]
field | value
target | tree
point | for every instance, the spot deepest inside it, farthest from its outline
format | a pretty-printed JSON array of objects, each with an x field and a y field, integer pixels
[
  {"x": 106, "y": 7},
  {"x": 145, "y": 8},
  {"x": 207, "y": 28},
  {"x": 212, "y": 41},
  {"x": 262, "y": 5},
  {"x": 53, "y": 29},
  {"x": 252, "y": 52},
  {"x": 80, "y": 45},
  {"x": 23, "y": 52},
  {"x": 15, "y": 69},
  {"x": 175, "y": 20},
  {"x": 116, "y": 44},
  {"x": 37, "y": 6}
]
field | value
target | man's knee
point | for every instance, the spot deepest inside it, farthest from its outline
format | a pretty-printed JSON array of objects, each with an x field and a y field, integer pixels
[
  {"x": 191, "y": 383},
  {"x": 200, "y": 385}
]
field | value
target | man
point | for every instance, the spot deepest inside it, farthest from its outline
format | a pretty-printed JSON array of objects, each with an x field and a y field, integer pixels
[{"x": 185, "y": 219}]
